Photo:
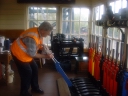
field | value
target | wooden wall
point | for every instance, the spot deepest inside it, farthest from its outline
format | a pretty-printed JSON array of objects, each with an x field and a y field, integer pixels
[
  {"x": 11, "y": 34},
  {"x": 12, "y": 15}
]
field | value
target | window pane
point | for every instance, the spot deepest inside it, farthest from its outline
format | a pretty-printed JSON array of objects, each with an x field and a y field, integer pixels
[
  {"x": 116, "y": 34},
  {"x": 124, "y": 4},
  {"x": 94, "y": 14},
  {"x": 75, "y": 28},
  {"x": 97, "y": 13},
  {"x": 32, "y": 15},
  {"x": 110, "y": 32},
  {"x": 101, "y": 11},
  {"x": 42, "y": 13},
  {"x": 113, "y": 6},
  {"x": 93, "y": 27},
  {"x": 75, "y": 14},
  {"x": 46, "y": 40},
  {"x": 33, "y": 24},
  {"x": 114, "y": 47},
  {"x": 100, "y": 31},
  {"x": 46, "y": 13},
  {"x": 39, "y": 22},
  {"x": 66, "y": 13},
  {"x": 66, "y": 27},
  {"x": 85, "y": 37},
  {"x": 51, "y": 13},
  {"x": 117, "y": 6},
  {"x": 100, "y": 43},
  {"x": 96, "y": 30},
  {"x": 83, "y": 27},
  {"x": 84, "y": 14}
]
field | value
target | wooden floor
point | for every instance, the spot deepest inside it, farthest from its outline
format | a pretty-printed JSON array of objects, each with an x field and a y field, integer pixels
[{"x": 47, "y": 81}]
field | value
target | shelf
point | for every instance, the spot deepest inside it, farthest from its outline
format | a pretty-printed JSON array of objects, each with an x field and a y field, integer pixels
[{"x": 123, "y": 23}]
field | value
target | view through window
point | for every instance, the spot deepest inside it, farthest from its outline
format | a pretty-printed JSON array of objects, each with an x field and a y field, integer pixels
[
  {"x": 97, "y": 15},
  {"x": 75, "y": 23},
  {"x": 115, "y": 33},
  {"x": 36, "y": 15}
]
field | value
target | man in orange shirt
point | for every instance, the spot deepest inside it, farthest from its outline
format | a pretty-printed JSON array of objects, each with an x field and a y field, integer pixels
[{"x": 23, "y": 50}]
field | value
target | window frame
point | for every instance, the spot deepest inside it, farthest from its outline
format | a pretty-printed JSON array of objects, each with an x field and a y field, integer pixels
[
  {"x": 119, "y": 39},
  {"x": 58, "y": 18},
  {"x": 79, "y": 35}
]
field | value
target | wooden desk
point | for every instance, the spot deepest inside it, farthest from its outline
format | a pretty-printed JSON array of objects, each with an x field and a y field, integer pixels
[{"x": 5, "y": 57}]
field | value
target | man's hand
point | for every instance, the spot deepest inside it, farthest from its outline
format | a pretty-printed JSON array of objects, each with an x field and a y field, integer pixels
[
  {"x": 46, "y": 49},
  {"x": 48, "y": 52},
  {"x": 49, "y": 56}
]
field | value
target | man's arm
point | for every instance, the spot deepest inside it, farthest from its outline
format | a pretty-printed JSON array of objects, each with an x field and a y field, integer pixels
[{"x": 32, "y": 50}]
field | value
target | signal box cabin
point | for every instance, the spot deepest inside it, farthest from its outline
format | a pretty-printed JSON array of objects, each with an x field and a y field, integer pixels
[{"x": 89, "y": 42}]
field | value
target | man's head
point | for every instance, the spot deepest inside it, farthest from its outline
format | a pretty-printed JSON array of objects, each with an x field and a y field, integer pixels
[{"x": 45, "y": 29}]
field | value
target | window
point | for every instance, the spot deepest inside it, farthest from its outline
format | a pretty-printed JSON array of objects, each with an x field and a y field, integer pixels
[
  {"x": 116, "y": 36},
  {"x": 116, "y": 6},
  {"x": 75, "y": 23},
  {"x": 36, "y": 15},
  {"x": 97, "y": 15},
  {"x": 112, "y": 33},
  {"x": 115, "y": 33}
]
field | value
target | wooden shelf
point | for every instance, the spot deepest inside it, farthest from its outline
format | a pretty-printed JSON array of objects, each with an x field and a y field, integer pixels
[{"x": 115, "y": 23}]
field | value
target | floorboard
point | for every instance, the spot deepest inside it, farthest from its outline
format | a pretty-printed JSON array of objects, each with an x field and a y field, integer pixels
[{"x": 48, "y": 77}]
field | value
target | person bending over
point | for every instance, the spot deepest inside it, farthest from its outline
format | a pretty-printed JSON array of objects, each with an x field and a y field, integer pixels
[{"x": 24, "y": 49}]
